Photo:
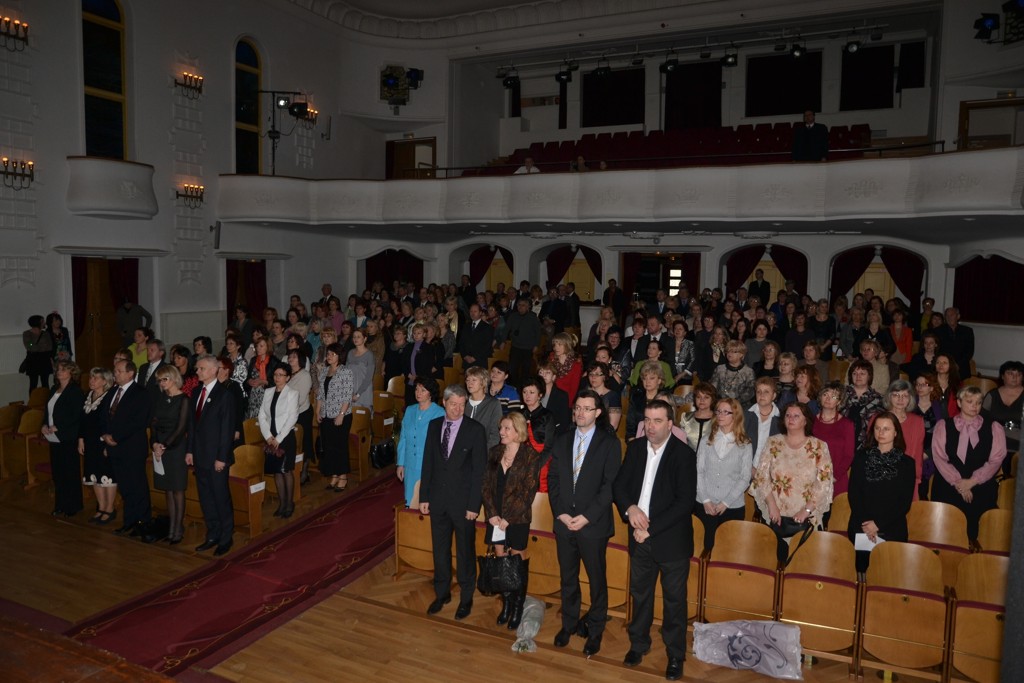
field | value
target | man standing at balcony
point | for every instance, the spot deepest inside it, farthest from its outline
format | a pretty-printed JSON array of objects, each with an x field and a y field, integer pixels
[
  {"x": 523, "y": 330},
  {"x": 810, "y": 141},
  {"x": 958, "y": 341},
  {"x": 760, "y": 288}
]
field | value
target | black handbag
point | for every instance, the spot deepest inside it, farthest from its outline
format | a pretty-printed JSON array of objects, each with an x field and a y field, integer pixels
[
  {"x": 23, "y": 368},
  {"x": 499, "y": 574},
  {"x": 788, "y": 527},
  {"x": 382, "y": 454}
]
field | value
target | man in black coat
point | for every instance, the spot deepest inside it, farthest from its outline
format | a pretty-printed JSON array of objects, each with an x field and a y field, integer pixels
[
  {"x": 477, "y": 340},
  {"x": 655, "y": 332},
  {"x": 655, "y": 492},
  {"x": 957, "y": 340},
  {"x": 454, "y": 458},
  {"x": 211, "y": 435},
  {"x": 614, "y": 297},
  {"x": 124, "y": 416},
  {"x": 810, "y": 141},
  {"x": 155, "y": 352},
  {"x": 584, "y": 462},
  {"x": 760, "y": 288}
]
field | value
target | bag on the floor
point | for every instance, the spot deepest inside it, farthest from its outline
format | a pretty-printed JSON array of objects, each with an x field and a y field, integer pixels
[
  {"x": 767, "y": 647},
  {"x": 529, "y": 627},
  {"x": 499, "y": 574},
  {"x": 382, "y": 454}
]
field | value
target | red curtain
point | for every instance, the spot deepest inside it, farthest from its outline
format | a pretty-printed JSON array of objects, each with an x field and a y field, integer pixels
[
  {"x": 253, "y": 277},
  {"x": 740, "y": 264},
  {"x": 847, "y": 269},
  {"x": 907, "y": 270},
  {"x": 690, "y": 262},
  {"x": 79, "y": 292},
  {"x": 559, "y": 261},
  {"x": 981, "y": 290},
  {"x": 124, "y": 280},
  {"x": 394, "y": 264},
  {"x": 630, "y": 267},
  {"x": 230, "y": 287},
  {"x": 479, "y": 261},
  {"x": 792, "y": 264},
  {"x": 593, "y": 260}
]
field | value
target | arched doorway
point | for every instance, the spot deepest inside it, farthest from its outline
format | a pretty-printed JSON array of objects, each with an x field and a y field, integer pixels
[
  {"x": 394, "y": 264},
  {"x": 779, "y": 263}
]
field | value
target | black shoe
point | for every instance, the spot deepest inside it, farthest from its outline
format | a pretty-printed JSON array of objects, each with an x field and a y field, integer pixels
[
  {"x": 634, "y": 657},
  {"x": 56, "y": 513},
  {"x": 304, "y": 480},
  {"x": 148, "y": 537},
  {"x": 288, "y": 513},
  {"x": 124, "y": 529},
  {"x": 464, "y": 609},
  {"x": 174, "y": 541},
  {"x": 277, "y": 512},
  {"x": 674, "y": 670},
  {"x": 507, "y": 600},
  {"x": 139, "y": 529},
  {"x": 562, "y": 638},
  {"x": 593, "y": 646},
  {"x": 206, "y": 545},
  {"x": 436, "y": 606},
  {"x": 222, "y": 550}
]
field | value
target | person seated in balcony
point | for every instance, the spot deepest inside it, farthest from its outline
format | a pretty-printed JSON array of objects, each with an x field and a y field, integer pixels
[
  {"x": 527, "y": 167},
  {"x": 810, "y": 141}
]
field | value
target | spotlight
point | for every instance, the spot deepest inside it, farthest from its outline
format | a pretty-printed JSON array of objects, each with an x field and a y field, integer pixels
[
  {"x": 1013, "y": 6},
  {"x": 705, "y": 54},
  {"x": 852, "y": 46},
  {"x": 389, "y": 80},
  {"x": 797, "y": 51},
  {"x": 603, "y": 69},
  {"x": 876, "y": 35},
  {"x": 283, "y": 102},
  {"x": 564, "y": 76},
  {"x": 986, "y": 25},
  {"x": 511, "y": 81},
  {"x": 299, "y": 109},
  {"x": 730, "y": 59},
  {"x": 668, "y": 66},
  {"x": 414, "y": 77}
]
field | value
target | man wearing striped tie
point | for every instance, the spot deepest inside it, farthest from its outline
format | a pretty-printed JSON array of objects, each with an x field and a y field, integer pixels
[{"x": 584, "y": 463}]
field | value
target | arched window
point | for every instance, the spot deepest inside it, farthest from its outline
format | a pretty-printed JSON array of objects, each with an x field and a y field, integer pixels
[
  {"x": 247, "y": 108},
  {"x": 104, "y": 71}
]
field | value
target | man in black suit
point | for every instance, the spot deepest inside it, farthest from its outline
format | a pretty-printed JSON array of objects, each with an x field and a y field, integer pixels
[
  {"x": 477, "y": 340},
  {"x": 614, "y": 297},
  {"x": 572, "y": 304},
  {"x": 655, "y": 332},
  {"x": 584, "y": 463},
  {"x": 454, "y": 458},
  {"x": 146, "y": 377},
  {"x": 553, "y": 313},
  {"x": 211, "y": 435},
  {"x": 760, "y": 288},
  {"x": 810, "y": 141},
  {"x": 124, "y": 416},
  {"x": 655, "y": 492},
  {"x": 957, "y": 340}
]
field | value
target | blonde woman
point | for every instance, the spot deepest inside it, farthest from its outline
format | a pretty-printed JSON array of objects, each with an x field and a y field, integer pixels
[
  {"x": 567, "y": 364},
  {"x": 724, "y": 460}
]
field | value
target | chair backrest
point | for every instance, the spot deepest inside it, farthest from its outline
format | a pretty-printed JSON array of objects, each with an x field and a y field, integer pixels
[
  {"x": 933, "y": 522},
  {"x": 743, "y": 542},
  {"x": 382, "y": 401},
  {"x": 9, "y": 415},
  {"x": 995, "y": 530},
  {"x": 299, "y": 437},
  {"x": 1014, "y": 459},
  {"x": 360, "y": 419},
  {"x": 837, "y": 369},
  {"x": 248, "y": 461},
  {"x": 982, "y": 578},
  {"x": 905, "y": 565},
  {"x": 839, "y": 517},
  {"x": 984, "y": 383},
  {"x": 824, "y": 554},
  {"x": 698, "y": 539},
  {"x": 251, "y": 433},
  {"x": 31, "y": 422},
  {"x": 38, "y": 397},
  {"x": 1007, "y": 488},
  {"x": 396, "y": 385},
  {"x": 542, "y": 518}
]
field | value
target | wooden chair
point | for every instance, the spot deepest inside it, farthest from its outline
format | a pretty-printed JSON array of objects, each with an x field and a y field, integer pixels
[
  {"x": 502, "y": 352},
  {"x": 396, "y": 387},
  {"x": 251, "y": 434},
  {"x": 740, "y": 573},
  {"x": 749, "y": 507},
  {"x": 978, "y": 618},
  {"x": 359, "y": 439},
  {"x": 984, "y": 383},
  {"x": 14, "y": 443},
  {"x": 837, "y": 369},
  {"x": 457, "y": 361},
  {"x": 904, "y": 612},
  {"x": 38, "y": 398},
  {"x": 942, "y": 528},
  {"x": 1007, "y": 489},
  {"x": 995, "y": 531},
  {"x": 453, "y": 376},
  {"x": 839, "y": 519},
  {"x": 413, "y": 548},
  {"x": 820, "y": 594},
  {"x": 693, "y": 581},
  {"x": 10, "y": 416},
  {"x": 37, "y": 460},
  {"x": 378, "y": 382},
  {"x": 1014, "y": 459},
  {"x": 382, "y": 424},
  {"x": 545, "y": 581}
]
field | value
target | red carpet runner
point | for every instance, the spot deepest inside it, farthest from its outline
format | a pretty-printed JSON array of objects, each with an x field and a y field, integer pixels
[{"x": 186, "y": 621}]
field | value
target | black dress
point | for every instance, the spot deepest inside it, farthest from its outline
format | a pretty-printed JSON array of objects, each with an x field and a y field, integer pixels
[
  {"x": 272, "y": 464},
  {"x": 97, "y": 471},
  {"x": 169, "y": 425},
  {"x": 983, "y": 495},
  {"x": 881, "y": 490}
]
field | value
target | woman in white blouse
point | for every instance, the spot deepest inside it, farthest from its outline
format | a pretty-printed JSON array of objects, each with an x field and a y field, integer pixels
[
  {"x": 724, "y": 462},
  {"x": 277, "y": 418}
]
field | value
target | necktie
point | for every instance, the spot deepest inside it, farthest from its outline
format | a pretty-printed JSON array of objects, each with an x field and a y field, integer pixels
[
  {"x": 445, "y": 437},
  {"x": 199, "y": 405},
  {"x": 117, "y": 399},
  {"x": 577, "y": 462}
]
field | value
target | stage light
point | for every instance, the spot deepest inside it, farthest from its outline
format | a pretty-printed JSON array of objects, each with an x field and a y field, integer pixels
[
  {"x": 511, "y": 81},
  {"x": 414, "y": 77},
  {"x": 852, "y": 46},
  {"x": 668, "y": 66},
  {"x": 986, "y": 25},
  {"x": 730, "y": 59},
  {"x": 564, "y": 76},
  {"x": 797, "y": 51},
  {"x": 282, "y": 102}
]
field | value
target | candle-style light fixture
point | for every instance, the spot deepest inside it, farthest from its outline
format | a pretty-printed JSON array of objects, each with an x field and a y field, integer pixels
[
  {"x": 17, "y": 174},
  {"x": 191, "y": 85},
  {"x": 13, "y": 34},
  {"x": 193, "y": 195}
]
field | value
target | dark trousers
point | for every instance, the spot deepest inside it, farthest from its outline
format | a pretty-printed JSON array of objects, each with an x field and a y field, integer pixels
[
  {"x": 520, "y": 365},
  {"x": 306, "y": 420},
  {"x": 571, "y": 548},
  {"x": 443, "y": 525},
  {"x": 643, "y": 572},
  {"x": 712, "y": 522},
  {"x": 132, "y": 483},
  {"x": 334, "y": 460},
  {"x": 66, "y": 468},
  {"x": 215, "y": 500}
]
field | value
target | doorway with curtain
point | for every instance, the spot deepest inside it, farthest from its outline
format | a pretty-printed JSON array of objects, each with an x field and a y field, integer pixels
[
  {"x": 246, "y": 286},
  {"x": 99, "y": 286}
]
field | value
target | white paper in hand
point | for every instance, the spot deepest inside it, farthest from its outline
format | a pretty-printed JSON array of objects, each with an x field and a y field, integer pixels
[
  {"x": 862, "y": 542},
  {"x": 498, "y": 534}
]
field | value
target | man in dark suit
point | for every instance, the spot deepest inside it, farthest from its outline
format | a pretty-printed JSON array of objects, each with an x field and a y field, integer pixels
[
  {"x": 957, "y": 340},
  {"x": 810, "y": 141},
  {"x": 655, "y": 332},
  {"x": 572, "y": 304},
  {"x": 124, "y": 416},
  {"x": 584, "y": 463},
  {"x": 146, "y": 377},
  {"x": 454, "y": 458},
  {"x": 477, "y": 340},
  {"x": 553, "y": 313},
  {"x": 211, "y": 435},
  {"x": 655, "y": 492},
  {"x": 760, "y": 288},
  {"x": 614, "y": 297}
]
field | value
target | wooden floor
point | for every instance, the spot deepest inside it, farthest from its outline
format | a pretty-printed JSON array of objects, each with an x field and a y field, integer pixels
[{"x": 375, "y": 629}]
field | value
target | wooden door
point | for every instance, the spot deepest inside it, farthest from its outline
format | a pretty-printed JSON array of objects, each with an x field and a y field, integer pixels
[
  {"x": 100, "y": 338},
  {"x": 877, "y": 278},
  {"x": 579, "y": 273},
  {"x": 412, "y": 158},
  {"x": 499, "y": 272}
]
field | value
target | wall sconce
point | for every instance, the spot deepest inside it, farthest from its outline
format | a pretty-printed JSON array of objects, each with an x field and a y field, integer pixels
[
  {"x": 13, "y": 34},
  {"x": 193, "y": 195},
  {"x": 191, "y": 85},
  {"x": 309, "y": 120},
  {"x": 18, "y": 174}
]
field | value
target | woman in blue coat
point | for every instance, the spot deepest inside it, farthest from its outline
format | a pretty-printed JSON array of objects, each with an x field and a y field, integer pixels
[{"x": 414, "y": 434}]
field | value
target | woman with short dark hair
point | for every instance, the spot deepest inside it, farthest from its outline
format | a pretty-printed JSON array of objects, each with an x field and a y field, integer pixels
[{"x": 409, "y": 459}]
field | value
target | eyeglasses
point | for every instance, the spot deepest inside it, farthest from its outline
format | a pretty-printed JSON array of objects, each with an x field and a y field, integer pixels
[
  {"x": 595, "y": 374},
  {"x": 583, "y": 409},
  {"x": 723, "y": 412}
]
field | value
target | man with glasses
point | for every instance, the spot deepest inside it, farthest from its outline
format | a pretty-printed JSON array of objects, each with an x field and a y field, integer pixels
[{"x": 584, "y": 463}]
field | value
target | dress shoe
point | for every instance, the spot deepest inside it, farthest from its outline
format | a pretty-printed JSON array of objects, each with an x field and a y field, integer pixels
[
  {"x": 124, "y": 529},
  {"x": 583, "y": 628},
  {"x": 436, "y": 606},
  {"x": 674, "y": 670},
  {"x": 277, "y": 512},
  {"x": 222, "y": 550},
  {"x": 562, "y": 638},
  {"x": 149, "y": 538},
  {"x": 138, "y": 529},
  {"x": 593, "y": 646},
  {"x": 174, "y": 541},
  {"x": 288, "y": 512},
  {"x": 634, "y": 657},
  {"x": 464, "y": 609},
  {"x": 205, "y": 545}
]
